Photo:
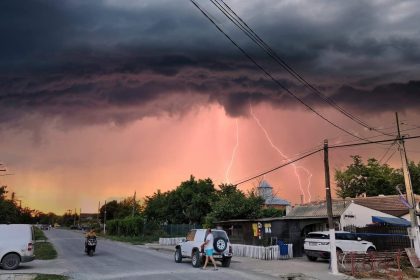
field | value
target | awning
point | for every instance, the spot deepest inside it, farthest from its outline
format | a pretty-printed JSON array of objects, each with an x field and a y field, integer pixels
[{"x": 391, "y": 221}]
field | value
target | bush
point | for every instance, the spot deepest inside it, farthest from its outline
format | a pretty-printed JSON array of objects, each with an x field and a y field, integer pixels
[{"x": 130, "y": 226}]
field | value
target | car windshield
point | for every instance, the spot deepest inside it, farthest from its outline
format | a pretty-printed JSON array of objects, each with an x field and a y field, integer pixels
[
  {"x": 318, "y": 236},
  {"x": 219, "y": 233}
]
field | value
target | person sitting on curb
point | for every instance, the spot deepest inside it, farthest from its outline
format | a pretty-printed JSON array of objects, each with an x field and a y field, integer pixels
[{"x": 208, "y": 249}]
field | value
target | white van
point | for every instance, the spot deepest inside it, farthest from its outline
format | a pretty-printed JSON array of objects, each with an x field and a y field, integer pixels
[{"x": 16, "y": 245}]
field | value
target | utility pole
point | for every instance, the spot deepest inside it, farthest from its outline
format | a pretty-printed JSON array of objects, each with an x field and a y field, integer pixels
[
  {"x": 105, "y": 219},
  {"x": 409, "y": 190},
  {"x": 333, "y": 252},
  {"x": 134, "y": 204}
]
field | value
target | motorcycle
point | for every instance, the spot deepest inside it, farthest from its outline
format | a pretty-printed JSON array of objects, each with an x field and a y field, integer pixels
[{"x": 90, "y": 246}]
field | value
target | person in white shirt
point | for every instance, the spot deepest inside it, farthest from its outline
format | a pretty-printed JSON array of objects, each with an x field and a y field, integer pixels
[{"x": 208, "y": 249}]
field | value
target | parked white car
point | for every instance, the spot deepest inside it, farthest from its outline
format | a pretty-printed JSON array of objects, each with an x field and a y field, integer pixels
[
  {"x": 191, "y": 247},
  {"x": 317, "y": 244},
  {"x": 16, "y": 245}
]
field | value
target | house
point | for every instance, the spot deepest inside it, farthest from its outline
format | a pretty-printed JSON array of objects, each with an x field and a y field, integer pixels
[
  {"x": 391, "y": 204},
  {"x": 314, "y": 217},
  {"x": 265, "y": 190},
  {"x": 309, "y": 217}
]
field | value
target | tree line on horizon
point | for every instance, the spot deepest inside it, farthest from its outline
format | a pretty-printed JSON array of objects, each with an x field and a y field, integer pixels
[{"x": 200, "y": 202}]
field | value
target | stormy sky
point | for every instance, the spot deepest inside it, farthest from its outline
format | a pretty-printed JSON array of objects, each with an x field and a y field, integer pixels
[{"x": 75, "y": 75}]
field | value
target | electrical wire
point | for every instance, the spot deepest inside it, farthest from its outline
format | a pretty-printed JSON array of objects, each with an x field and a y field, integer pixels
[
  {"x": 271, "y": 76},
  {"x": 386, "y": 152},
  {"x": 249, "y": 32},
  {"x": 278, "y": 167},
  {"x": 318, "y": 150}
]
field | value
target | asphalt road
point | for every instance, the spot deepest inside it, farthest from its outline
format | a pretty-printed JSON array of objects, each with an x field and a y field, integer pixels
[{"x": 116, "y": 260}]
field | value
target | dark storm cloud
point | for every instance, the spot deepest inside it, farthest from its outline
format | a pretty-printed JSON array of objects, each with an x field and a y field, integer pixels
[
  {"x": 389, "y": 97},
  {"x": 85, "y": 62}
]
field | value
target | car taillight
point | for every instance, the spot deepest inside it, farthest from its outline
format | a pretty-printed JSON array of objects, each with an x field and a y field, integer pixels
[
  {"x": 230, "y": 249},
  {"x": 30, "y": 246}
]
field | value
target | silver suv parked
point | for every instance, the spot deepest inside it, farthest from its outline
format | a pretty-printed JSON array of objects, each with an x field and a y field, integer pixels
[{"x": 191, "y": 247}]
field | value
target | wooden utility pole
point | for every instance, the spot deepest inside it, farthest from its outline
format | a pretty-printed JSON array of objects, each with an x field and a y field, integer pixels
[
  {"x": 333, "y": 252},
  {"x": 409, "y": 191},
  {"x": 105, "y": 219}
]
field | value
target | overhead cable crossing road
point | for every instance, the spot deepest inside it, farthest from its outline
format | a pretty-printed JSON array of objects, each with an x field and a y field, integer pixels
[
  {"x": 250, "y": 33},
  {"x": 318, "y": 150},
  {"x": 272, "y": 54}
]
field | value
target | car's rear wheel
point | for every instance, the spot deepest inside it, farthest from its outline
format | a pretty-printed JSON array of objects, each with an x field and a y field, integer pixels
[
  {"x": 220, "y": 244},
  {"x": 178, "y": 255},
  {"x": 226, "y": 262},
  {"x": 195, "y": 259},
  {"x": 311, "y": 258},
  {"x": 371, "y": 250},
  {"x": 11, "y": 261}
]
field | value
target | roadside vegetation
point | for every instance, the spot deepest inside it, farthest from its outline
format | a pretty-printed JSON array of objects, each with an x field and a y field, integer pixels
[
  {"x": 43, "y": 250},
  {"x": 373, "y": 178}
]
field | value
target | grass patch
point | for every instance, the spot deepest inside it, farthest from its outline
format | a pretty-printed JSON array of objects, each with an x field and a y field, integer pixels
[
  {"x": 44, "y": 251},
  {"x": 135, "y": 240},
  {"x": 50, "y": 277},
  {"x": 39, "y": 234}
]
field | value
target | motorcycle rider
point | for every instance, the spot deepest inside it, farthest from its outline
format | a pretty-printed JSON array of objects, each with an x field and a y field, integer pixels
[{"x": 90, "y": 234}]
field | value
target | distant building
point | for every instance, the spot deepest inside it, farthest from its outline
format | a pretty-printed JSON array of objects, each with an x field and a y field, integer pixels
[{"x": 270, "y": 200}]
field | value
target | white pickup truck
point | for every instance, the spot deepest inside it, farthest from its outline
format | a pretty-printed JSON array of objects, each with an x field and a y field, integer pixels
[{"x": 191, "y": 247}]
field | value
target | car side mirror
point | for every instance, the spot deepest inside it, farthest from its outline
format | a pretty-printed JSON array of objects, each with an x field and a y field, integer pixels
[{"x": 359, "y": 239}]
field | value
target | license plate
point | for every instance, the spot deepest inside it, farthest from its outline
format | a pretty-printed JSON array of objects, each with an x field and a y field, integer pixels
[{"x": 313, "y": 243}]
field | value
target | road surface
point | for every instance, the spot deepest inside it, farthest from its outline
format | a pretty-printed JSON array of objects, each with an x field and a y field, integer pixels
[{"x": 116, "y": 260}]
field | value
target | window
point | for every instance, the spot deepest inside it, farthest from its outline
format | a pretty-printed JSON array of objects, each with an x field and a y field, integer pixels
[
  {"x": 191, "y": 235},
  {"x": 318, "y": 236}
]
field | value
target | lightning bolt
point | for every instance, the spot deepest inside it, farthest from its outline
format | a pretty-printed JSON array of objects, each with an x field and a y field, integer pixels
[
  {"x": 309, "y": 182},
  {"x": 233, "y": 154},
  {"x": 295, "y": 167}
]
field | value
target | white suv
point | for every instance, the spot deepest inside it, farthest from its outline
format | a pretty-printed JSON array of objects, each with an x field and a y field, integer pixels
[
  {"x": 317, "y": 244},
  {"x": 191, "y": 247}
]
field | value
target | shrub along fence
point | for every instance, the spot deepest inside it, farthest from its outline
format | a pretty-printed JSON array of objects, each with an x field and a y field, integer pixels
[
  {"x": 130, "y": 226},
  {"x": 137, "y": 226},
  {"x": 178, "y": 229}
]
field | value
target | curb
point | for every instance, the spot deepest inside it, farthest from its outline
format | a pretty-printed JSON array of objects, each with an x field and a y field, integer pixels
[
  {"x": 17, "y": 276},
  {"x": 158, "y": 247}
]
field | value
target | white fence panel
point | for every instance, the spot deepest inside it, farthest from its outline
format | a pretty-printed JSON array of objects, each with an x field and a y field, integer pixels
[
  {"x": 262, "y": 253},
  {"x": 170, "y": 241}
]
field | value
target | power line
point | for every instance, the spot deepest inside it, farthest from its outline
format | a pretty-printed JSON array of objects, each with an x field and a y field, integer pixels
[
  {"x": 387, "y": 150},
  {"x": 278, "y": 167},
  {"x": 249, "y": 32},
  {"x": 371, "y": 142},
  {"x": 271, "y": 77},
  {"x": 320, "y": 149},
  {"x": 393, "y": 153}
]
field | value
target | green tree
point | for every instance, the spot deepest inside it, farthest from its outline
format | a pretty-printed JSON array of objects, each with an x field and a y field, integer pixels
[
  {"x": 188, "y": 203},
  {"x": 9, "y": 211},
  {"x": 157, "y": 207},
  {"x": 373, "y": 178},
  {"x": 271, "y": 212},
  {"x": 232, "y": 203}
]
